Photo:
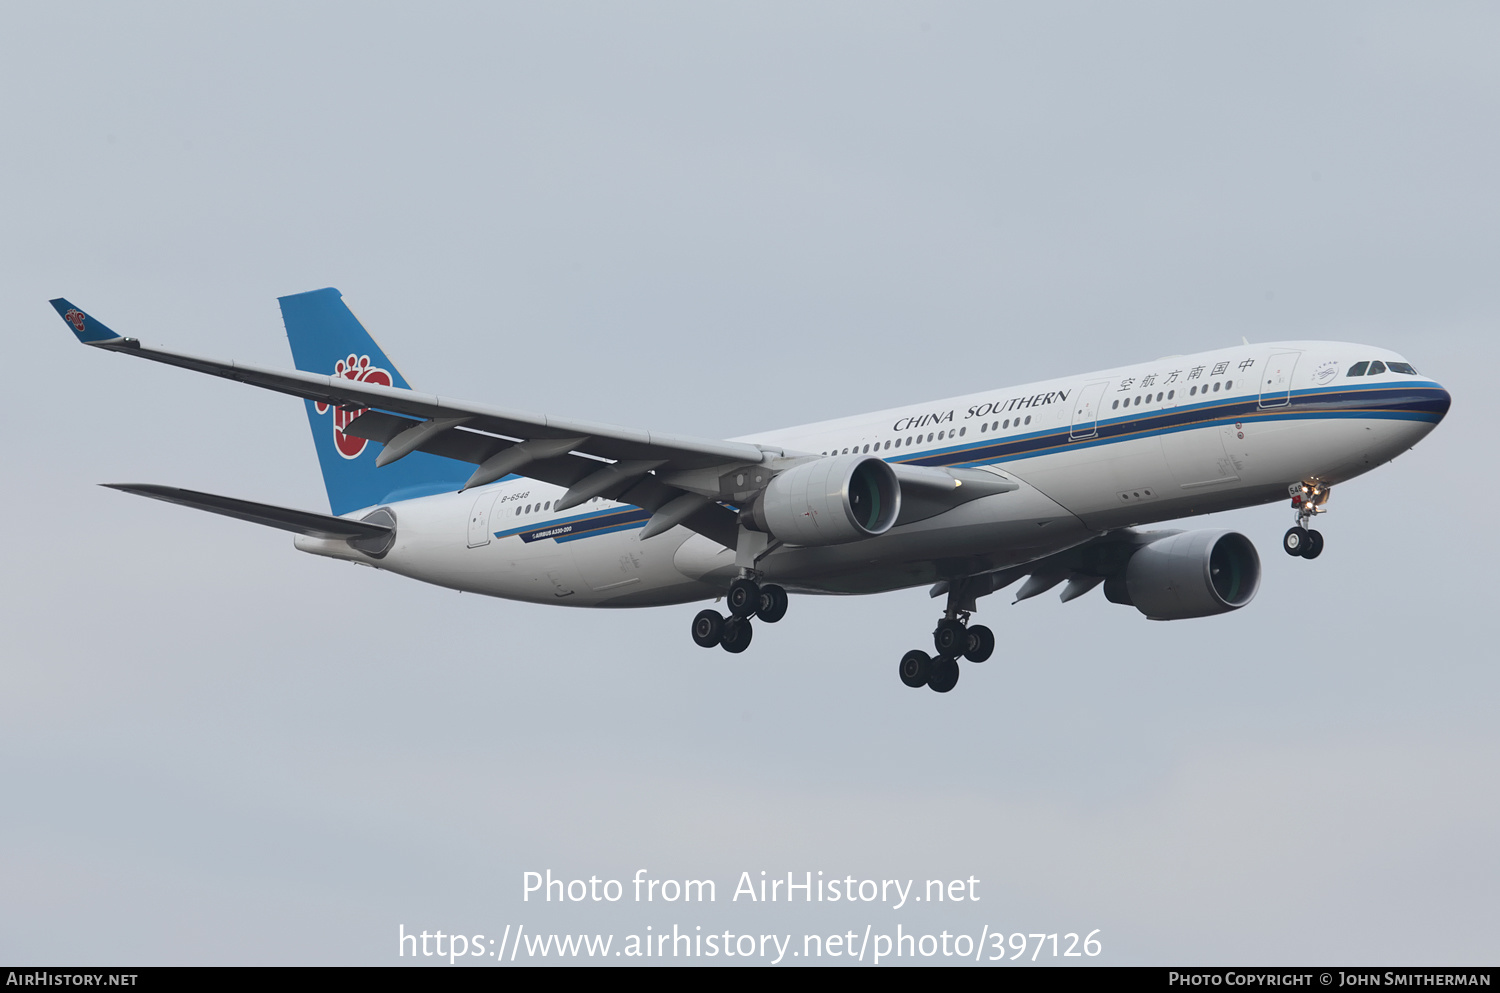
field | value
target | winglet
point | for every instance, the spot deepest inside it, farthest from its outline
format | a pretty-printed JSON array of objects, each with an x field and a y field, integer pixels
[{"x": 88, "y": 330}]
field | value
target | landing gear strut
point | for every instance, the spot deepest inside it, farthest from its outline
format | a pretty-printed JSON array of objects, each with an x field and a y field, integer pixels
[
  {"x": 746, "y": 599},
  {"x": 1307, "y": 500},
  {"x": 954, "y": 638}
]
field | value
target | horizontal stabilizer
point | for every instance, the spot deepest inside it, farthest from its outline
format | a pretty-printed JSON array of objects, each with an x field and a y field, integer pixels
[{"x": 298, "y": 521}]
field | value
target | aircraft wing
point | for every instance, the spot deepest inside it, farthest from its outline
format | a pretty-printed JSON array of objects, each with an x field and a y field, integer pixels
[
  {"x": 681, "y": 480},
  {"x": 590, "y": 458},
  {"x": 604, "y": 441},
  {"x": 1082, "y": 567}
]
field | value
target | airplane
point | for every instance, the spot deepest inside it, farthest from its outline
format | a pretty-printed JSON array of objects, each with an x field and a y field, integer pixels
[{"x": 1051, "y": 481}]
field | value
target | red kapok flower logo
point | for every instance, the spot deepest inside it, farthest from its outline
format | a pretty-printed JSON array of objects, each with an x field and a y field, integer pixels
[
  {"x": 75, "y": 318},
  {"x": 359, "y": 370}
]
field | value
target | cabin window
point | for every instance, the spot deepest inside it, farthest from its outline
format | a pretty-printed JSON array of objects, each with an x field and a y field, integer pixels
[
  {"x": 1171, "y": 394},
  {"x": 1358, "y": 369},
  {"x": 1007, "y": 422},
  {"x": 1216, "y": 387},
  {"x": 929, "y": 436},
  {"x": 1115, "y": 405},
  {"x": 1228, "y": 383},
  {"x": 1158, "y": 398},
  {"x": 983, "y": 428},
  {"x": 1028, "y": 418},
  {"x": 963, "y": 431},
  {"x": 1193, "y": 392}
]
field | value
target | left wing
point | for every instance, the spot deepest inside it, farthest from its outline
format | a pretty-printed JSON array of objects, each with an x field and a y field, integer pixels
[
  {"x": 589, "y": 458},
  {"x": 680, "y": 479},
  {"x": 605, "y": 441}
]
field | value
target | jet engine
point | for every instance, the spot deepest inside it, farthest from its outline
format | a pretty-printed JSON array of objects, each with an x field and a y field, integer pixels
[
  {"x": 830, "y": 501},
  {"x": 1189, "y": 574}
]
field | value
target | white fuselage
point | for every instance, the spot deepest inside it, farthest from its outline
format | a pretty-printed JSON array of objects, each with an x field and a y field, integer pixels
[{"x": 1176, "y": 437}]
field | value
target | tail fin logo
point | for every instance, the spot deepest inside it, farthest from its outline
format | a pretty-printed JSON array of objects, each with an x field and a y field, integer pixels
[
  {"x": 75, "y": 318},
  {"x": 359, "y": 370}
]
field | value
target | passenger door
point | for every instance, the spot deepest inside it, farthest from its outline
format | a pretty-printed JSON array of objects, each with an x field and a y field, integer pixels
[
  {"x": 1276, "y": 379},
  {"x": 1086, "y": 412},
  {"x": 479, "y": 518}
]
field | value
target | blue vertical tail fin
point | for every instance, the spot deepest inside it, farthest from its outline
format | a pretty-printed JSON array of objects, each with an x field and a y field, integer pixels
[{"x": 327, "y": 339}]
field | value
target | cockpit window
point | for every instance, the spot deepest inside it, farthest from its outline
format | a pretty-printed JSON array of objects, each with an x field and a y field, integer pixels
[
  {"x": 1376, "y": 368},
  {"x": 1403, "y": 368},
  {"x": 1358, "y": 368}
]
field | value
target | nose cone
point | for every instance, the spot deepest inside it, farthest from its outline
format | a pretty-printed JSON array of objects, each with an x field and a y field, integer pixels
[
  {"x": 1436, "y": 402},
  {"x": 1439, "y": 401}
]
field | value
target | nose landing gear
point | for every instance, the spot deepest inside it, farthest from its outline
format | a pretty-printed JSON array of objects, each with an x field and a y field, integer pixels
[{"x": 1307, "y": 500}]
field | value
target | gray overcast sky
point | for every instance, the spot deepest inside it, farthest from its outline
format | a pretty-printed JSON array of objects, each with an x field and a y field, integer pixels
[{"x": 715, "y": 219}]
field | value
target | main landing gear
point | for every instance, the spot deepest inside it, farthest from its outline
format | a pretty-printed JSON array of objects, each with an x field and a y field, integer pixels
[
  {"x": 746, "y": 599},
  {"x": 1307, "y": 500},
  {"x": 953, "y": 638}
]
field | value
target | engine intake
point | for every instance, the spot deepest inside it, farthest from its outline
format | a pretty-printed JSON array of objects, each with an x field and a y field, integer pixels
[
  {"x": 1193, "y": 574},
  {"x": 830, "y": 501}
]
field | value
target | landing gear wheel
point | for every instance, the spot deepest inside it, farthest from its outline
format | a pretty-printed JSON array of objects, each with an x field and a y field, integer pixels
[
  {"x": 708, "y": 628},
  {"x": 773, "y": 602},
  {"x": 914, "y": 668},
  {"x": 950, "y": 639},
  {"x": 744, "y": 597},
  {"x": 1296, "y": 540},
  {"x": 942, "y": 674},
  {"x": 981, "y": 643},
  {"x": 736, "y": 635},
  {"x": 1314, "y": 546}
]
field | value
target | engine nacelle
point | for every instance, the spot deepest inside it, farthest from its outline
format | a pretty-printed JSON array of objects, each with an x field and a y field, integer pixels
[
  {"x": 830, "y": 501},
  {"x": 1193, "y": 574}
]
